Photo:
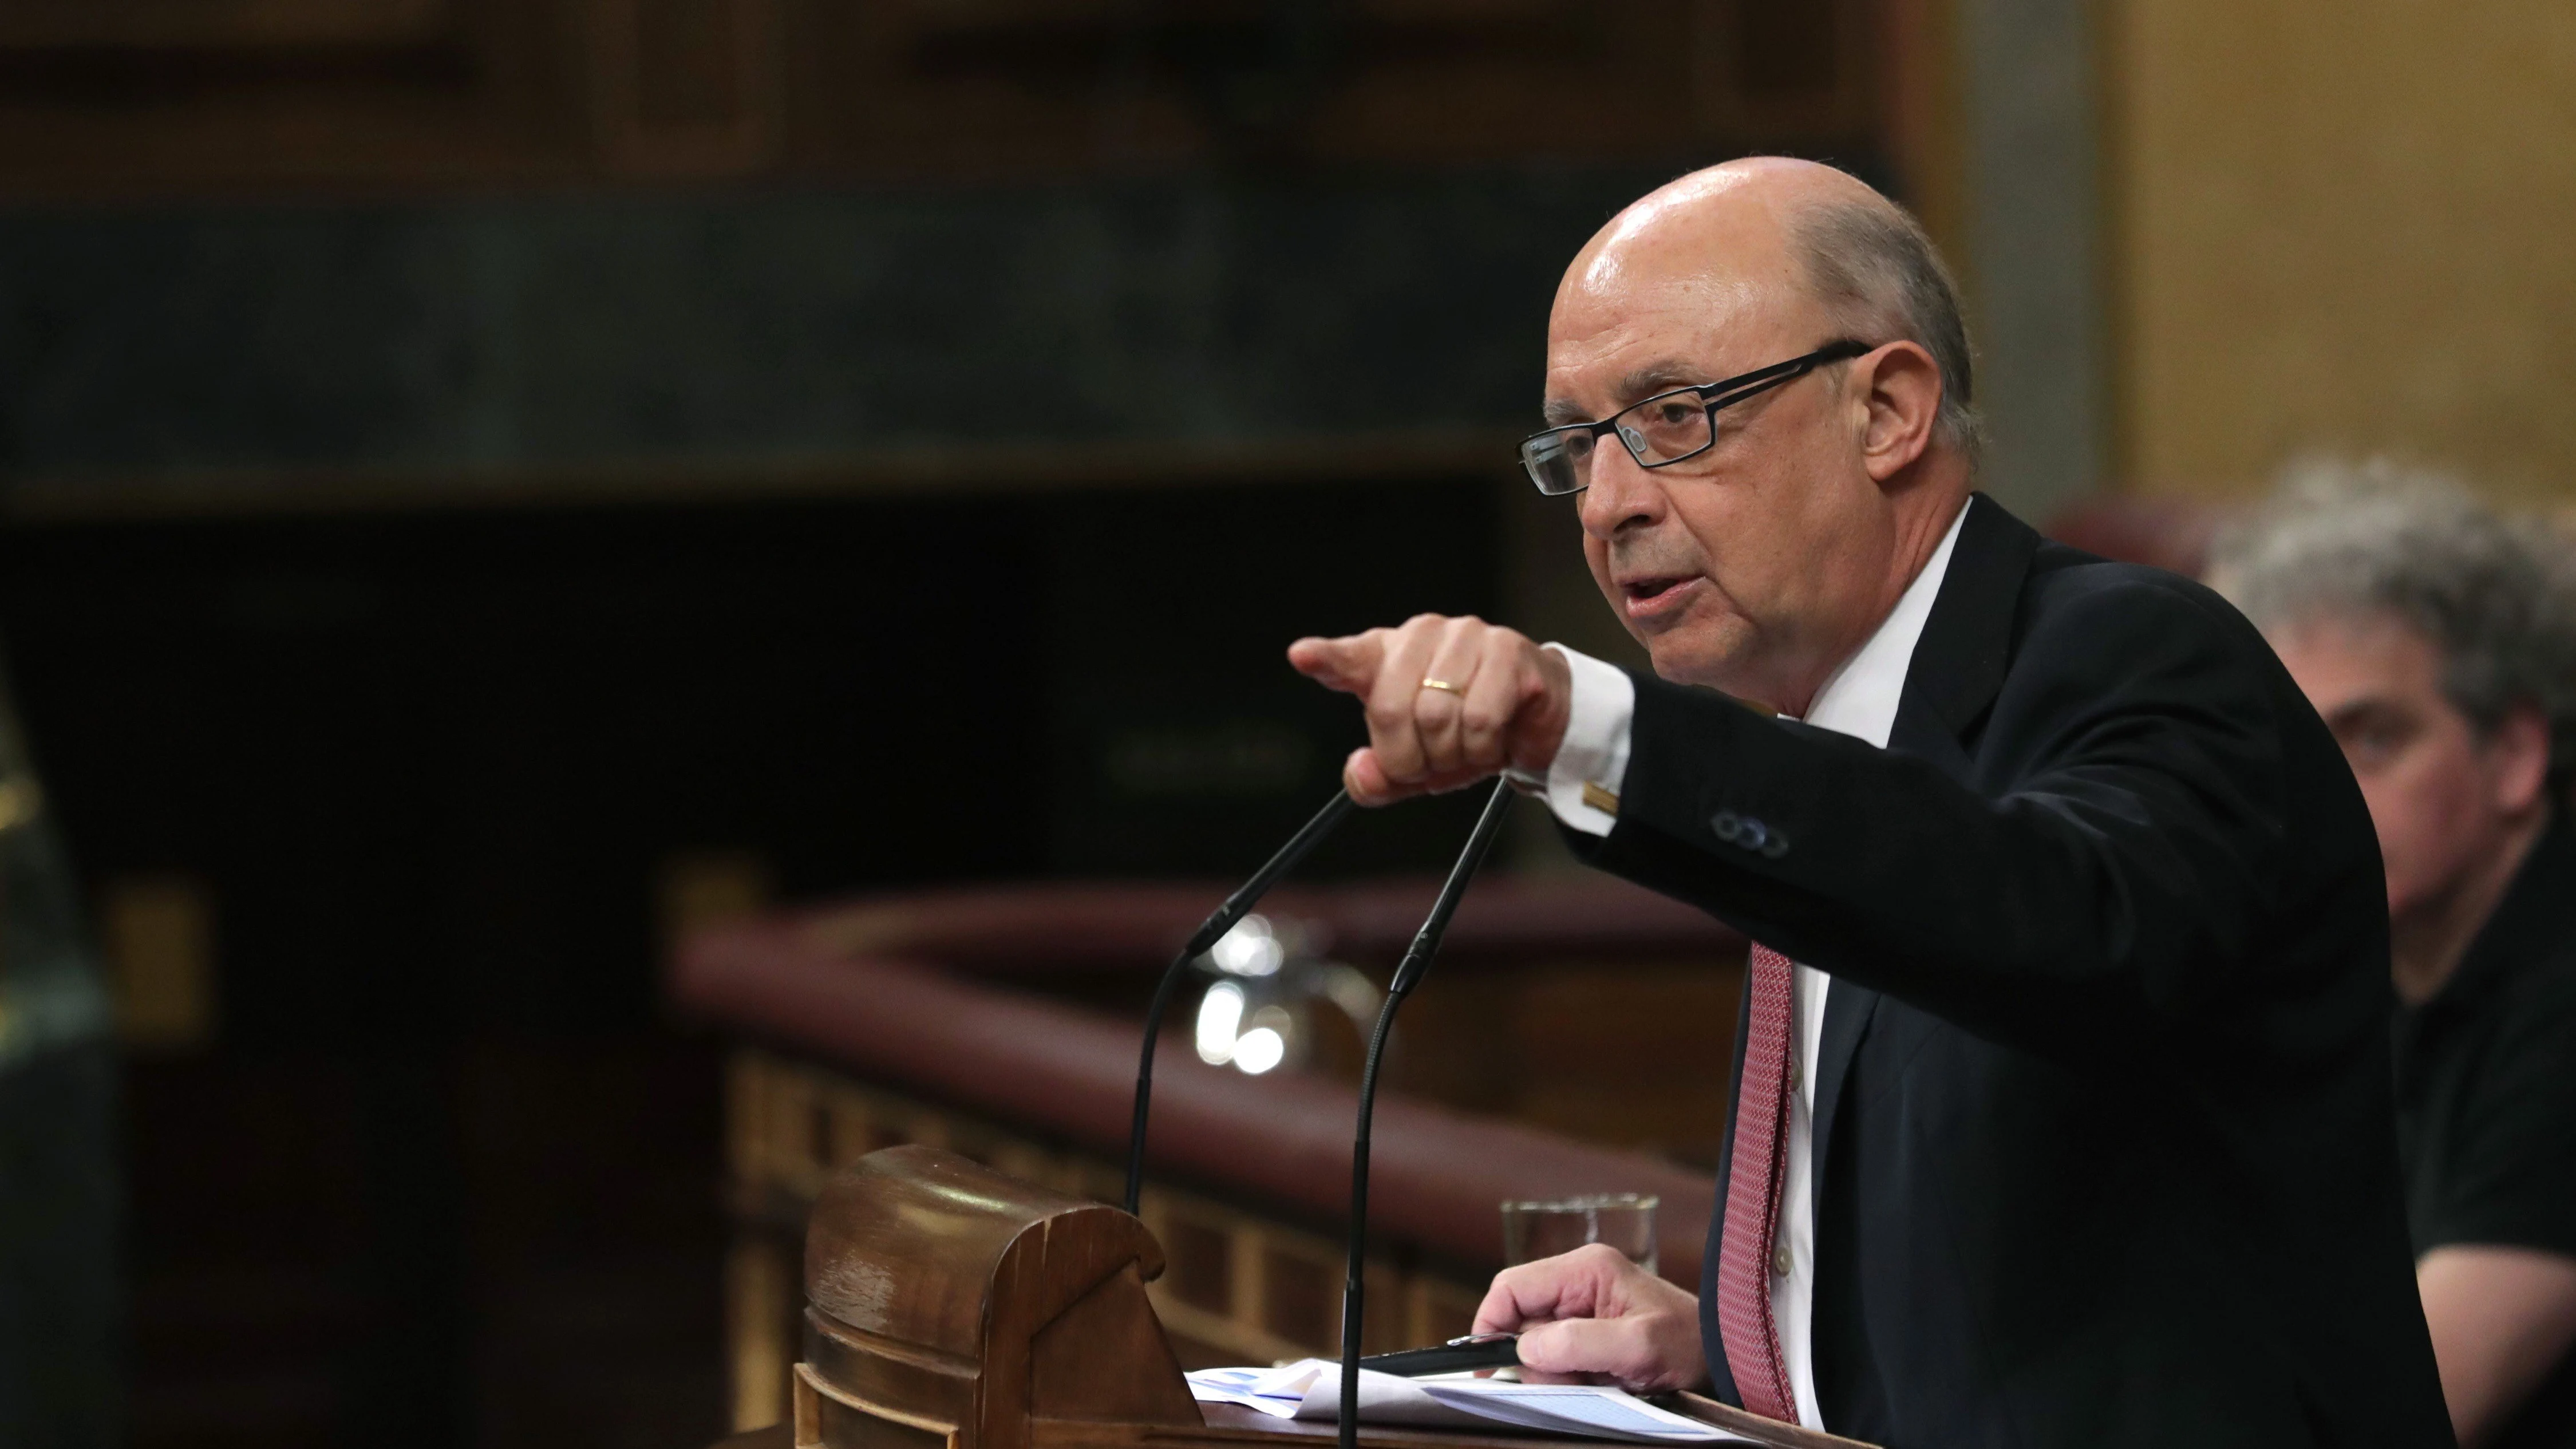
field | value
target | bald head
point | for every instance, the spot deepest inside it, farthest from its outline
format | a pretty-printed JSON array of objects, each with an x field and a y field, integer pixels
[
  {"x": 1736, "y": 215},
  {"x": 1775, "y": 232},
  {"x": 1760, "y": 561}
]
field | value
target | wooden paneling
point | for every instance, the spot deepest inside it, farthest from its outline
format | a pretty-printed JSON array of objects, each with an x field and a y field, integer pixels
[
  {"x": 154, "y": 96},
  {"x": 163, "y": 97},
  {"x": 1622, "y": 1053},
  {"x": 159, "y": 936},
  {"x": 686, "y": 87},
  {"x": 2344, "y": 226},
  {"x": 220, "y": 25},
  {"x": 1787, "y": 71},
  {"x": 1088, "y": 82}
]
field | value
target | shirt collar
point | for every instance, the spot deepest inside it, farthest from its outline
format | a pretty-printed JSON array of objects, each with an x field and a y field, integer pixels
[{"x": 1860, "y": 698}]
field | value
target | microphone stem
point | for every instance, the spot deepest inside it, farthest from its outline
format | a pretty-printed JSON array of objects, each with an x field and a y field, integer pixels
[
  {"x": 1408, "y": 974},
  {"x": 1222, "y": 920}
]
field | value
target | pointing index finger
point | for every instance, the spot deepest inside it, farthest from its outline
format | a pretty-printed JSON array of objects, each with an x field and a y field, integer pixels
[{"x": 1348, "y": 664}]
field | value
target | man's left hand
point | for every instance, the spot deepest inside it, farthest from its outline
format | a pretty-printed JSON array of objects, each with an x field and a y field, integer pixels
[
  {"x": 1591, "y": 1315},
  {"x": 1450, "y": 702}
]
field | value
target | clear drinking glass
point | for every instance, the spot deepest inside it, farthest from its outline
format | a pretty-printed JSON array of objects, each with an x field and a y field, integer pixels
[{"x": 1624, "y": 1220}]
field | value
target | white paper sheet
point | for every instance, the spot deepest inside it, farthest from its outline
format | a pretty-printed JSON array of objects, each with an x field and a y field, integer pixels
[{"x": 1311, "y": 1389}]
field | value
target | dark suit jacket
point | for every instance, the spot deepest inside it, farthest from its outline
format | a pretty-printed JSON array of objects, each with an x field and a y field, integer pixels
[{"x": 2103, "y": 1133}]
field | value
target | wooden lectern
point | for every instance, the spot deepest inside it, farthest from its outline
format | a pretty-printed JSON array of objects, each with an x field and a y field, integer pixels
[{"x": 949, "y": 1306}]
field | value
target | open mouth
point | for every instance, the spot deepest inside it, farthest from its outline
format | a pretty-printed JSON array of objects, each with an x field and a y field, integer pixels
[{"x": 1657, "y": 599}]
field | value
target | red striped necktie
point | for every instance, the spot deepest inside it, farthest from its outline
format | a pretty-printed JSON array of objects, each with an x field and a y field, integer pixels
[{"x": 1749, "y": 1242}]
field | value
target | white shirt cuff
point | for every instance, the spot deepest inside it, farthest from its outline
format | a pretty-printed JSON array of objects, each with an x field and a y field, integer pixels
[{"x": 1593, "y": 762}]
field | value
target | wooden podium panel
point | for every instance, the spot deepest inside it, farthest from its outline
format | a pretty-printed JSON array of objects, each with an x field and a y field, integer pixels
[{"x": 949, "y": 1306}]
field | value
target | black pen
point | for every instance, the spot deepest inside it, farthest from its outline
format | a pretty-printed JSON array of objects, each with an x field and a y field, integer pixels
[{"x": 1475, "y": 1351}]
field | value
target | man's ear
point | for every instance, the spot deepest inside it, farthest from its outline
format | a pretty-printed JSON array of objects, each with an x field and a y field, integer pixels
[
  {"x": 2518, "y": 759},
  {"x": 1900, "y": 386}
]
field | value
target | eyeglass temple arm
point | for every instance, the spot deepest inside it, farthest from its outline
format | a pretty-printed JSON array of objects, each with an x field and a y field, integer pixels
[{"x": 1719, "y": 394}]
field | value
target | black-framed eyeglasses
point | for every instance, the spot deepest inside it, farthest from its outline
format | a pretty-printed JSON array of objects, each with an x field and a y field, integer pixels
[{"x": 1665, "y": 428}]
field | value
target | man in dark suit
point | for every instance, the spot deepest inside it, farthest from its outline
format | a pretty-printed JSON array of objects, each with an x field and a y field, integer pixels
[{"x": 2062, "y": 1092}]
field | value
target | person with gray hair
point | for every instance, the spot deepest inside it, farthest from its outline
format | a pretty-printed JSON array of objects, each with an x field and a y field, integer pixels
[
  {"x": 2061, "y": 1079},
  {"x": 2438, "y": 641}
]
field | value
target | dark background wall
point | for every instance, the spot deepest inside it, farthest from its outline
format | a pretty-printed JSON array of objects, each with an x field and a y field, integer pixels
[
  {"x": 442, "y": 1148},
  {"x": 774, "y": 330},
  {"x": 476, "y": 475}
]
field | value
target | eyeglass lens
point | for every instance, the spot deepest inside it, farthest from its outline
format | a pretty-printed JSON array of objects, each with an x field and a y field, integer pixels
[
  {"x": 1656, "y": 431},
  {"x": 1559, "y": 462}
]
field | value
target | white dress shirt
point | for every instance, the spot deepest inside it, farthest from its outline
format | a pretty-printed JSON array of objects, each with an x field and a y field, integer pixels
[{"x": 1859, "y": 700}]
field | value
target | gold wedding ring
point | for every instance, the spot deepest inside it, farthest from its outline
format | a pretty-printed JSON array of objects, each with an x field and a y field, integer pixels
[{"x": 1444, "y": 686}]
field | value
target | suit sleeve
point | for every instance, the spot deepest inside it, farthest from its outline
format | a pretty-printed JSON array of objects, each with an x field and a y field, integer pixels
[{"x": 2132, "y": 860}]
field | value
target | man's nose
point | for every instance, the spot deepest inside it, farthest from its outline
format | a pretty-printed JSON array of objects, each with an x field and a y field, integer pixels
[{"x": 1621, "y": 494}]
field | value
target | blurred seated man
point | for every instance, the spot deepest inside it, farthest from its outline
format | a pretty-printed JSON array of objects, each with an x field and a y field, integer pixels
[{"x": 2436, "y": 640}]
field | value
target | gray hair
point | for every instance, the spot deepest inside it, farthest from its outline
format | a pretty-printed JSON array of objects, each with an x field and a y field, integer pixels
[
  {"x": 1878, "y": 274},
  {"x": 2496, "y": 595}
]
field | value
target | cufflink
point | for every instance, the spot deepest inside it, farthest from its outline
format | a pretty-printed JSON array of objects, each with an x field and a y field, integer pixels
[{"x": 1600, "y": 799}]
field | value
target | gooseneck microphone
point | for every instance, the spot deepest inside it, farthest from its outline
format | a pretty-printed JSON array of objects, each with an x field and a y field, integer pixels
[
  {"x": 1408, "y": 973},
  {"x": 1235, "y": 908}
]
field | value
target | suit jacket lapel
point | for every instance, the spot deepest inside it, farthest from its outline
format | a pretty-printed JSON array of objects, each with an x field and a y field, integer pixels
[
  {"x": 1958, "y": 665},
  {"x": 1848, "y": 1009}
]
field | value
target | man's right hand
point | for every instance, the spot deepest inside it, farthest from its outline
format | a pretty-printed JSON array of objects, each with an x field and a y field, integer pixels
[
  {"x": 1591, "y": 1315},
  {"x": 1450, "y": 702}
]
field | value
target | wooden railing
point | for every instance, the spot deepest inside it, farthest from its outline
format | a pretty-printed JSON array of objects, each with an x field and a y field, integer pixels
[{"x": 929, "y": 1019}]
